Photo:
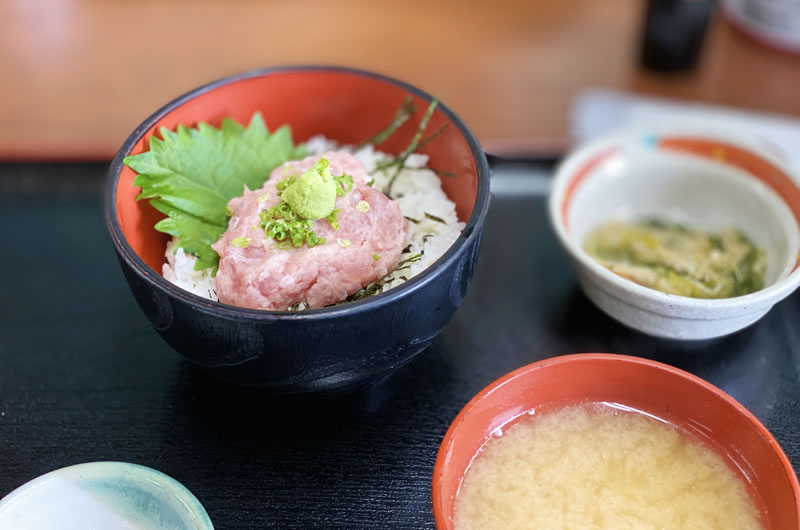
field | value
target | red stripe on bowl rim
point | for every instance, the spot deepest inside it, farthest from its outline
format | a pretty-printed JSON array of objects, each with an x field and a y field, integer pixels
[
  {"x": 725, "y": 153},
  {"x": 767, "y": 172},
  {"x": 577, "y": 179},
  {"x": 760, "y": 37}
]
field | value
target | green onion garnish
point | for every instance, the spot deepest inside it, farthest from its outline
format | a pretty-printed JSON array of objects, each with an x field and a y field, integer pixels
[{"x": 241, "y": 242}]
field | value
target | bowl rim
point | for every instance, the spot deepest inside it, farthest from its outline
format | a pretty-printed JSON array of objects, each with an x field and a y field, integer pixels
[
  {"x": 441, "y": 519},
  {"x": 418, "y": 282},
  {"x": 772, "y": 293}
]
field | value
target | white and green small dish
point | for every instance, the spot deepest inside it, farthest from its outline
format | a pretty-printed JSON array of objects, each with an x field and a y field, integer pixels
[{"x": 107, "y": 495}]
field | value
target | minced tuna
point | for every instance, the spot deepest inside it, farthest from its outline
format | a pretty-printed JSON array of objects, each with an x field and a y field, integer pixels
[
  {"x": 433, "y": 223},
  {"x": 255, "y": 273}
]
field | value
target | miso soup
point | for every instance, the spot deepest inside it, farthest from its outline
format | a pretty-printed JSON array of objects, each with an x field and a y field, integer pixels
[{"x": 597, "y": 467}]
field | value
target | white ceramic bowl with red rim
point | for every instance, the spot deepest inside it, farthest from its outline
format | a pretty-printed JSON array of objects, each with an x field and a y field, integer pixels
[{"x": 705, "y": 180}]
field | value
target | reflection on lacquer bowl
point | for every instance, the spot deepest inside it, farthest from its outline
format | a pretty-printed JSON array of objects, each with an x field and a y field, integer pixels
[
  {"x": 706, "y": 181},
  {"x": 700, "y": 412},
  {"x": 329, "y": 348}
]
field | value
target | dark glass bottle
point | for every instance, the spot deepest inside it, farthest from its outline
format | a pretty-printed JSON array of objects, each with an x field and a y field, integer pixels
[{"x": 673, "y": 35}]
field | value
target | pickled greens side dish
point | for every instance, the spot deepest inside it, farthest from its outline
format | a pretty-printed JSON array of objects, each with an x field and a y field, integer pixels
[{"x": 673, "y": 259}]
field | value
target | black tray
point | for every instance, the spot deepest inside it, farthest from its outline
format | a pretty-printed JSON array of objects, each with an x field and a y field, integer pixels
[{"x": 83, "y": 376}]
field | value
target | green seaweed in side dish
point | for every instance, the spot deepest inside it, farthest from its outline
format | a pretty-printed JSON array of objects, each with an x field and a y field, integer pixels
[{"x": 673, "y": 259}]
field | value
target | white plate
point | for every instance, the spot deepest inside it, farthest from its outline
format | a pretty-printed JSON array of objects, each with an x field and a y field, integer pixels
[{"x": 103, "y": 496}]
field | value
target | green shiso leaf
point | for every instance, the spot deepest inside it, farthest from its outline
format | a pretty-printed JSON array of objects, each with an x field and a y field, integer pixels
[{"x": 191, "y": 174}]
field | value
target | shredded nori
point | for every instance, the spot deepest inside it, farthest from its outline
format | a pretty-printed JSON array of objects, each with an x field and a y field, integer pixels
[
  {"x": 406, "y": 110},
  {"x": 401, "y": 116},
  {"x": 377, "y": 286},
  {"x": 435, "y": 135},
  {"x": 435, "y": 218},
  {"x": 442, "y": 173},
  {"x": 400, "y": 160}
]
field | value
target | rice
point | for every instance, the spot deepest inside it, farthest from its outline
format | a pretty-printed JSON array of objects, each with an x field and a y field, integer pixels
[
  {"x": 179, "y": 269},
  {"x": 418, "y": 192}
]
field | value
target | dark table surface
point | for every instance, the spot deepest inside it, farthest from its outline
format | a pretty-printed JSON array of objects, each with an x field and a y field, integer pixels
[{"x": 83, "y": 376}]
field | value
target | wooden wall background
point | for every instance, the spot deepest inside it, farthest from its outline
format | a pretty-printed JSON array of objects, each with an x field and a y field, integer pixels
[{"x": 76, "y": 76}]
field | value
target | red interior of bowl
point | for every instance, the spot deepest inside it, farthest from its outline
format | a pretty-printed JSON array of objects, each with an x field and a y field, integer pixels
[
  {"x": 681, "y": 398},
  {"x": 343, "y": 105}
]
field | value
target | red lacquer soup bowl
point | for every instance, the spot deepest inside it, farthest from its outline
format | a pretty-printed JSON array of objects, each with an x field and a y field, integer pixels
[
  {"x": 321, "y": 349},
  {"x": 691, "y": 404}
]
